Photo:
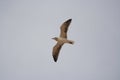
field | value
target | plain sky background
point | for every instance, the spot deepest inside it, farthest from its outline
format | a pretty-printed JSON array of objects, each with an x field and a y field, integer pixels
[{"x": 26, "y": 29}]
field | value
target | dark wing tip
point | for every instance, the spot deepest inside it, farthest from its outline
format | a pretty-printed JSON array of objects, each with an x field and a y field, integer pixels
[
  {"x": 55, "y": 58},
  {"x": 69, "y": 20}
]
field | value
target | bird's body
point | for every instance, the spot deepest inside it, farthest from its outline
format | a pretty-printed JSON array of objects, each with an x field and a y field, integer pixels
[{"x": 62, "y": 39}]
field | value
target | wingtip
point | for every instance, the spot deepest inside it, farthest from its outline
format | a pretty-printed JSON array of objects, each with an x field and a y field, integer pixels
[
  {"x": 69, "y": 19},
  {"x": 55, "y": 59}
]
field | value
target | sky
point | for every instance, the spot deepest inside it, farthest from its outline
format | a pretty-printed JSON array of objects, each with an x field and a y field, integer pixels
[{"x": 26, "y": 29}]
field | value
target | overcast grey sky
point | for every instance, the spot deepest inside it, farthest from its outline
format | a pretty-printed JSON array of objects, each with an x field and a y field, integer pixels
[{"x": 26, "y": 29}]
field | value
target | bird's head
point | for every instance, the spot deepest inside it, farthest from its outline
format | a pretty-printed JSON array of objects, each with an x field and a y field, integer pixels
[{"x": 55, "y": 38}]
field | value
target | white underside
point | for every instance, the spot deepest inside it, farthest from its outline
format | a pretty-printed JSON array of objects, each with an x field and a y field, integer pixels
[{"x": 64, "y": 40}]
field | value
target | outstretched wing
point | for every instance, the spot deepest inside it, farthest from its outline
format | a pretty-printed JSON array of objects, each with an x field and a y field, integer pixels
[
  {"x": 64, "y": 28},
  {"x": 56, "y": 50}
]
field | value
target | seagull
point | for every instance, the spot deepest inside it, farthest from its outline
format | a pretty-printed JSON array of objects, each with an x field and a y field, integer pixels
[{"x": 61, "y": 39}]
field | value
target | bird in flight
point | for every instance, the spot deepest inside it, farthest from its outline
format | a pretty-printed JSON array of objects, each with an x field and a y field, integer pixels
[{"x": 61, "y": 39}]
